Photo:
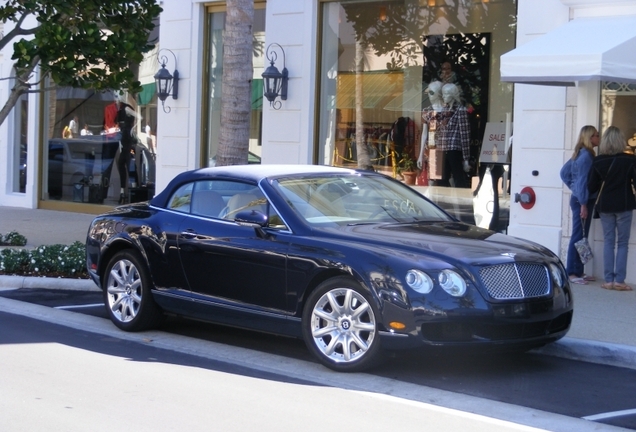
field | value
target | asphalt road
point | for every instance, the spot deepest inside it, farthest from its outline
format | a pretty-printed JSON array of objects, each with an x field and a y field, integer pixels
[
  {"x": 58, "y": 378},
  {"x": 575, "y": 389}
]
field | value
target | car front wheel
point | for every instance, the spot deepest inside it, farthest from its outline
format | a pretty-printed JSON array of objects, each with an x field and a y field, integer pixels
[
  {"x": 340, "y": 326},
  {"x": 127, "y": 295}
]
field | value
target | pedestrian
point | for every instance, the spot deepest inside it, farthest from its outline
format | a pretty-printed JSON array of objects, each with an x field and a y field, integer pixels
[
  {"x": 73, "y": 126},
  {"x": 86, "y": 131},
  {"x": 613, "y": 176},
  {"x": 575, "y": 175}
]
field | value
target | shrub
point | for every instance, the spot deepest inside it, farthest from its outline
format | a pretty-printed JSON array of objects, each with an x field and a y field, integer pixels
[
  {"x": 54, "y": 260},
  {"x": 13, "y": 239}
]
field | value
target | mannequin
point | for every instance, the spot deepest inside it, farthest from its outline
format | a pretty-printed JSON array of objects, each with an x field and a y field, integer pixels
[
  {"x": 125, "y": 119},
  {"x": 429, "y": 120},
  {"x": 453, "y": 138}
]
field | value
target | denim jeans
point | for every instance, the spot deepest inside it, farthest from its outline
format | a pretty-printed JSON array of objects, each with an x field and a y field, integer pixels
[
  {"x": 574, "y": 266},
  {"x": 616, "y": 230}
]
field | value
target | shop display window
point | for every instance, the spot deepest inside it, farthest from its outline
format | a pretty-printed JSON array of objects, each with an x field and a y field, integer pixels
[
  {"x": 415, "y": 83},
  {"x": 618, "y": 104},
  {"x": 100, "y": 146}
]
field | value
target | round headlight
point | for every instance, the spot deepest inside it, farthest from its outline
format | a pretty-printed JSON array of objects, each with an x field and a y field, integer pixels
[
  {"x": 557, "y": 275},
  {"x": 419, "y": 281},
  {"x": 452, "y": 283}
]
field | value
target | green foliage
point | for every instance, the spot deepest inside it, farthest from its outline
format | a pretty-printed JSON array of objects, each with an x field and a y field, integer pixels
[
  {"x": 407, "y": 164},
  {"x": 84, "y": 43},
  {"x": 54, "y": 260},
  {"x": 13, "y": 239}
]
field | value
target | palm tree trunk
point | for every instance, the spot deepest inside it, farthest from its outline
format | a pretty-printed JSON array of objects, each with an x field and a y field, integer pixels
[
  {"x": 364, "y": 161},
  {"x": 237, "y": 79}
]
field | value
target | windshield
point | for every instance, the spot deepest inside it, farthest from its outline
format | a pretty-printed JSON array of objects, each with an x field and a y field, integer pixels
[{"x": 356, "y": 199}]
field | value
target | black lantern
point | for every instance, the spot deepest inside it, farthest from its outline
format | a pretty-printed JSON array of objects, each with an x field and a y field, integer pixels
[
  {"x": 274, "y": 82},
  {"x": 166, "y": 82}
]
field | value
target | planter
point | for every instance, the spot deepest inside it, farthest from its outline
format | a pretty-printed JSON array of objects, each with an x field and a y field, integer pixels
[{"x": 409, "y": 177}]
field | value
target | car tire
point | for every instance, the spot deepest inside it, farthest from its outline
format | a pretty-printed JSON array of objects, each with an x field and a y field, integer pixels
[
  {"x": 127, "y": 293},
  {"x": 340, "y": 326}
]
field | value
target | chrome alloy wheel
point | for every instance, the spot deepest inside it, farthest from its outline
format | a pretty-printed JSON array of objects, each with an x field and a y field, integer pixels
[
  {"x": 124, "y": 290},
  {"x": 343, "y": 325}
]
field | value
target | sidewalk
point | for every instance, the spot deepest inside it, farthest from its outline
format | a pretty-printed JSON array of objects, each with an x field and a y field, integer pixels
[{"x": 603, "y": 329}]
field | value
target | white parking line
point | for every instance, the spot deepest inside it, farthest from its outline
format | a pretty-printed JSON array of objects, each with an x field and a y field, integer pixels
[
  {"x": 608, "y": 415},
  {"x": 79, "y": 306}
]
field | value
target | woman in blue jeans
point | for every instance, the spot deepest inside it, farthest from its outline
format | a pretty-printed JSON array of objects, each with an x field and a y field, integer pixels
[
  {"x": 613, "y": 177},
  {"x": 575, "y": 175}
]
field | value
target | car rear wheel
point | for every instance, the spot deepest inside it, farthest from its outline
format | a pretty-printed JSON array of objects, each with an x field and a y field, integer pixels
[
  {"x": 127, "y": 295},
  {"x": 340, "y": 326}
]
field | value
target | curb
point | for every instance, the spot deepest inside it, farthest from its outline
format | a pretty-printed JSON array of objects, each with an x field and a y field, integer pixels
[
  {"x": 570, "y": 348},
  {"x": 592, "y": 352},
  {"x": 17, "y": 282}
]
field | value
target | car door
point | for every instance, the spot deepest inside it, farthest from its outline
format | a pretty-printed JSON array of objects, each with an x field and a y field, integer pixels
[{"x": 229, "y": 263}]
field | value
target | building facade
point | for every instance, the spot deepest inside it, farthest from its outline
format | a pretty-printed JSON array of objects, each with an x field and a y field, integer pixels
[{"x": 367, "y": 81}]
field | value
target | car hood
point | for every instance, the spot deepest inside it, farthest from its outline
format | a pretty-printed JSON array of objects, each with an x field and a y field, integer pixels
[{"x": 454, "y": 240}]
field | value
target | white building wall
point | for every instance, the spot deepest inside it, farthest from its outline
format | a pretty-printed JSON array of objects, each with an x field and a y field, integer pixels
[
  {"x": 541, "y": 119},
  {"x": 179, "y": 131},
  {"x": 546, "y": 125},
  {"x": 288, "y": 133}
]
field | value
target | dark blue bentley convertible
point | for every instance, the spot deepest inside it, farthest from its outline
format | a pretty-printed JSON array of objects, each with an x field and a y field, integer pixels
[{"x": 353, "y": 262}]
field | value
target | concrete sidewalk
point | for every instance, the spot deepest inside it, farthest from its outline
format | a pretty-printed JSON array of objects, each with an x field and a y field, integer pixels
[{"x": 603, "y": 329}]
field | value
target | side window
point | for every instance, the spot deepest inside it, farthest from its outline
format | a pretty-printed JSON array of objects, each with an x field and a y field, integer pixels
[
  {"x": 207, "y": 199},
  {"x": 240, "y": 199},
  {"x": 180, "y": 200},
  {"x": 222, "y": 199}
]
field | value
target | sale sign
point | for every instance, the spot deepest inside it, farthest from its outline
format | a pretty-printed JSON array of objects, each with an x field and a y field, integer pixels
[{"x": 493, "y": 146}]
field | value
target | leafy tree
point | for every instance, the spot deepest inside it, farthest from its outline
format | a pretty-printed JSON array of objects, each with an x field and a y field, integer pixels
[
  {"x": 77, "y": 43},
  {"x": 238, "y": 70}
]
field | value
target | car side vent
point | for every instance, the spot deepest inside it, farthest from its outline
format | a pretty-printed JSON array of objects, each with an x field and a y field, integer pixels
[{"x": 515, "y": 280}]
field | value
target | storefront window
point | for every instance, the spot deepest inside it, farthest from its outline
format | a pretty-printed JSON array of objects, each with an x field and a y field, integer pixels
[
  {"x": 414, "y": 83},
  {"x": 100, "y": 147},
  {"x": 618, "y": 104},
  {"x": 21, "y": 127},
  {"x": 216, "y": 25}
]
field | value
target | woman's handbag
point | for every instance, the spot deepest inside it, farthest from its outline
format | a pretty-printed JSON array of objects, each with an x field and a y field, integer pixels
[{"x": 583, "y": 248}]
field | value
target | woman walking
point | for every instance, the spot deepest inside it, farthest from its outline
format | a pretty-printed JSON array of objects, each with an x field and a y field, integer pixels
[
  {"x": 613, "y": 176},
  {"x": 575, "y": 175}
]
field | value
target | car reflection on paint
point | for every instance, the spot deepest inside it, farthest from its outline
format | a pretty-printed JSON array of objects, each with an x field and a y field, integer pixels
[{"x": 355, "y": 263}]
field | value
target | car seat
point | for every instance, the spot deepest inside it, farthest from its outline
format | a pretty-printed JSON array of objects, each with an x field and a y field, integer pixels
[{"x": 207, "y": 203}]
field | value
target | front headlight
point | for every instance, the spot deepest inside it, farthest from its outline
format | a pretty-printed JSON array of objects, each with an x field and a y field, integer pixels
[
  {"x": 452, "y": 283},
  {"x": 419, "y": 281},
  {"x": 557, "y": 275}
]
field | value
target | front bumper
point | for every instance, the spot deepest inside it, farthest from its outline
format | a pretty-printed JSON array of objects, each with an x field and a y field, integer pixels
[{"x": 515, "y": 324}]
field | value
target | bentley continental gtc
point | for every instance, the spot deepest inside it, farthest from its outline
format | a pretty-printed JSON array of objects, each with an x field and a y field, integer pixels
[{"x": 353, "y": 262}]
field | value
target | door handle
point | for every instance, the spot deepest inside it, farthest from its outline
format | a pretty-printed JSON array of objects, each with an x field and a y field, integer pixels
[{"x": 189, "y": 234}]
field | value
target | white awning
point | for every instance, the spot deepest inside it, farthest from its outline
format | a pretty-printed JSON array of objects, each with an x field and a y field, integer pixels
[{"x": 585, "y": 49}]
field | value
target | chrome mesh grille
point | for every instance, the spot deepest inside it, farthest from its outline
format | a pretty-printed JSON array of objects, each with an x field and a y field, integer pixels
[{"x": 515, "y": 280}]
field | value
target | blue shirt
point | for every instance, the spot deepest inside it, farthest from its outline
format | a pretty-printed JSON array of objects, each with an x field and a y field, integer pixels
[{"x": 575, "y": 174}]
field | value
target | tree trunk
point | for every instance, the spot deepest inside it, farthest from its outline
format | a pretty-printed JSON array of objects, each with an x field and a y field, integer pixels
[
  {"x": 237, "y": 78},
  {"x": 364, "y": 162},
  {"x": 20, "y": 87}
]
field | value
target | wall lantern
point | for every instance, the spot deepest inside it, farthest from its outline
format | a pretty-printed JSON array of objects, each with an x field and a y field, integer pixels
[
  {"x": 274, "y": 82},
  {"x": 165, "y": 81}
]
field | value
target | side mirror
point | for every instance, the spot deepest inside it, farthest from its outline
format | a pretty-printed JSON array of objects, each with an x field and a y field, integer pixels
[
  {"x": 254, "y": 219},
  {"x": 251, "y": 218}
]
